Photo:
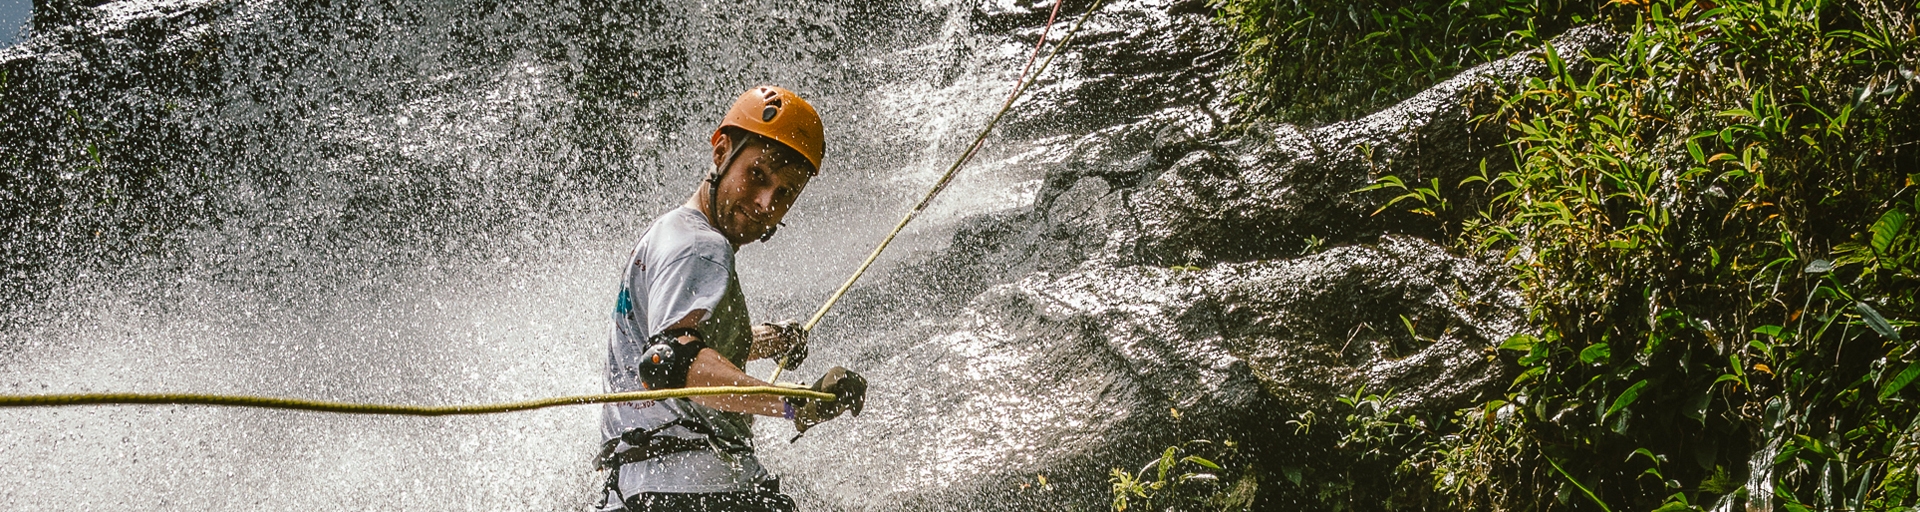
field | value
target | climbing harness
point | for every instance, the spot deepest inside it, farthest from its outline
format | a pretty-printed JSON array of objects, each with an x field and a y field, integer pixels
[
  {"x": 643, "y": 444},
  {"x": 787, "y": 390}
]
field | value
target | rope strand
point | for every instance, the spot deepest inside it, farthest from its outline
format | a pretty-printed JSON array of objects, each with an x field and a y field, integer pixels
[{"x": 297, "y": 404}]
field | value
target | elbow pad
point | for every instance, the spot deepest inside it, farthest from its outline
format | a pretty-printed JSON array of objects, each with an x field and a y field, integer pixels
[{"x": 665, "y": 363}]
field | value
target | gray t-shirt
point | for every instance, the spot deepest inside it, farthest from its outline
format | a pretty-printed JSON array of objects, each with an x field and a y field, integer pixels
[{"x": 681, "y": 265}]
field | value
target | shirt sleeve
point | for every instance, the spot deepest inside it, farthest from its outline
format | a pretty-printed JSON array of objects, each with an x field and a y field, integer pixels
[{"x": 686, "y": 282}]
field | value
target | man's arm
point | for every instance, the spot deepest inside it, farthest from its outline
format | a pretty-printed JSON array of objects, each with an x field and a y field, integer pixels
[
  {"x": 710, "y": 369},
  {"x": 777, "y": 340}
]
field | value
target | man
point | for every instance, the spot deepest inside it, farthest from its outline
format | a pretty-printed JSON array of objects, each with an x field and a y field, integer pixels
[{"x": 681, "y": 320}]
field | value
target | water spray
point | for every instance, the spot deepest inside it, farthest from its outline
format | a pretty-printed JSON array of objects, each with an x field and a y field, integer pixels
[
  {"x": 776, "y": 388},
  {"x": 1020, "y": 86}
]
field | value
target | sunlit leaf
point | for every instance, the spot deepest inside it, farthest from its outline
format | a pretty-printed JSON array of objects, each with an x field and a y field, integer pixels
[
  {"x": 1529, "y": 375},
  {"x": 1626, "y": 398},
  {"x": 1898, "y": 382},
  {"x": 1595, "y": 353},
  {"x": 1887, "y": 229},
  {"x": 1520, "y": 342},
  {"x": 1204, "y": 462},
  {"x": 1166, "y": 461},
  {"x": 1643, "y": 452}
]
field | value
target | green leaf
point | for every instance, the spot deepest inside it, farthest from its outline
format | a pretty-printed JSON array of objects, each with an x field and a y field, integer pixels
[
  {"x": 1595, "y": 353},
  {"x": 1625, "y": 399},
  {"x": 1529, "y": 375},
  {"x": 1536, "y": 355},
  {"x": 1887, "y": 229},
  {"x": 1166, "y": 462},
  {"x": 1898, "y": 382},
  {"x": 1576, "y": 484},
  {"x": 1387, "y": 181},
  {"x": 1204, "y": 462},
  {"x": 1771, "y": 331},
  {"x": 1520, "y": 342},
  {"x": 1879, "y": 323},
  {"x": 1644, "y": 453},
  {"x": 1819, "y": 267}
]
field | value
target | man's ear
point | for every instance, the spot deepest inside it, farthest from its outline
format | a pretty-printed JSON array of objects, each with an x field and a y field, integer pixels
[{"x": 721, "y": 145}]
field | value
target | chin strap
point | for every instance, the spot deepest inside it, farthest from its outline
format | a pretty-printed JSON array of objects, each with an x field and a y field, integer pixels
[{"x": 720, "y": 171}]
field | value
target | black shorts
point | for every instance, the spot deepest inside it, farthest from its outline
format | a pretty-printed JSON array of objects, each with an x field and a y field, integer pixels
[
  {"x": 757, "y": 501},
  {"x": 765, "y": 499}
]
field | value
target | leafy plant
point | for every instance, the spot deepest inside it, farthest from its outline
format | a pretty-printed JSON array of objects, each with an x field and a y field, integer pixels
[
  {"x": 1666, "y": 219},
  {"x": 1714, "y": 225},
  {"x": 1428, "y": 197},
  {"x": 1319, "y": 61},
  {"x": 1179, "y": 479}
]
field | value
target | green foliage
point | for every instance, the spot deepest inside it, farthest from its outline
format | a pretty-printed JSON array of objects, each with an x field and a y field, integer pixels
[
  {"x": 1374, "y": 452},
  {"x": 1714, "y": 225},
  {"x": 1318, "y": 61},
  {"x": 1718, "y": 263},
  {"x": 1427, "y": 197},
  {"x": 1189, "y": 482},
  {"x": 1377, "y": 427}
]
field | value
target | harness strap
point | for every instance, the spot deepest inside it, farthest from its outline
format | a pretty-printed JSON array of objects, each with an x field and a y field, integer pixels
[{"x": 648, "y": 443}]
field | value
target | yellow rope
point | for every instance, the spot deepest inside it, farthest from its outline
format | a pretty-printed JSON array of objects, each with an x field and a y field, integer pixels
[
  {"x": 937, "y": 186},
  {"x": 400, "y": 410}
]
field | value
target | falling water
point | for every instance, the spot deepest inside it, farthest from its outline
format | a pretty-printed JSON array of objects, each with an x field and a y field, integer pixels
[{"x": 426, "y": 202}]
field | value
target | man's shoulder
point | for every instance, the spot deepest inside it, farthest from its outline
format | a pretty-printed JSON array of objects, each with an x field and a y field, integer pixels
[{"x": 683, "y": 233}]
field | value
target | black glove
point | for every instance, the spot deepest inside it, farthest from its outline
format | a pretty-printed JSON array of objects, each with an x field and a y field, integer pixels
[
  {"x": 772, "y": 332},
  {"x": 849, "y": 391}
]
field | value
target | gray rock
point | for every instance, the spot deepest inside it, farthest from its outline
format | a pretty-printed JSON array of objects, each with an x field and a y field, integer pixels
[
  {"x": 1199, "y": 302},
  {"x": 1278, "y": 185}
]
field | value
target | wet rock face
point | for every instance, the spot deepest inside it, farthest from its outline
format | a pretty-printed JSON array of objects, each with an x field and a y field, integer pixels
[
  {"x": 1398, "y": 315},
  {"x": 1069, "y": 375},
  {"x": 1238, "y": 281},
  {"x": 1276, "y": 187}
]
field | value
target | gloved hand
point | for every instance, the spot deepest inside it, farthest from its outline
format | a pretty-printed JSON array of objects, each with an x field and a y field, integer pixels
[
  {"x": 849, "y": 391},
  {"x": 783, "y": 340}
]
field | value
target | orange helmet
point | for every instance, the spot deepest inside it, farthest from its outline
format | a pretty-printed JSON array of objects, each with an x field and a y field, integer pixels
[{"x": 781, "y": 115}]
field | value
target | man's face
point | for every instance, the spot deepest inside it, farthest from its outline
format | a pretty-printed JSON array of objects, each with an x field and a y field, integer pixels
[{"x": 758, "y": 189}]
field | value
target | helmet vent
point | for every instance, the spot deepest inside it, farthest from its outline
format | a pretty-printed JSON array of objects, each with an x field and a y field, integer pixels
[{"x": 767, "y": 114}]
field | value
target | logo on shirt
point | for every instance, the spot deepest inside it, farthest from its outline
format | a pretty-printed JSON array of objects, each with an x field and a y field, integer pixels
[{"x": 623, "y": 304}]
